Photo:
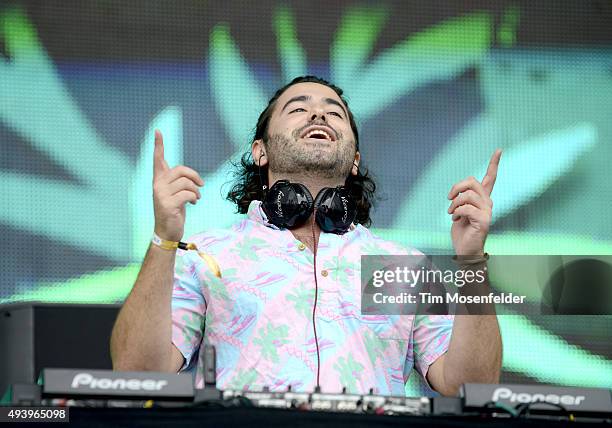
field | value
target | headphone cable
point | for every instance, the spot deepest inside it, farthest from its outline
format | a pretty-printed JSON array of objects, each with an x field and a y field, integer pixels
[
  {"x": 314, "y": 306},
  {"x": 264, "y": 188}
]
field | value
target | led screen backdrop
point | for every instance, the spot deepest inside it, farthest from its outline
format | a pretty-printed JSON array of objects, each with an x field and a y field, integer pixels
[{"x": 435, "y": 87}]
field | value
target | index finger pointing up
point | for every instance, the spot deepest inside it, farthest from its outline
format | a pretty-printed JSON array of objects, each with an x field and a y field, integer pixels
[
  {"x": 159, "y": 163},
  {"x": 489, "y": 179}
]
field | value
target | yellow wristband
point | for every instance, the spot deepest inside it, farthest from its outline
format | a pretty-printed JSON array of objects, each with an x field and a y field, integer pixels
[
  {"x": 173, "y": 245},
  {"x": 166, "y": 245}
]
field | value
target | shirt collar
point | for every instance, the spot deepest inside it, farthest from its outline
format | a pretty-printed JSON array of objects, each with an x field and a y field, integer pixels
[{"x": 257, "y": 214}]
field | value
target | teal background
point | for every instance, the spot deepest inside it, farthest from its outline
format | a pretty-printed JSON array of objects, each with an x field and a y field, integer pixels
[{"x": 435, "y": 88}]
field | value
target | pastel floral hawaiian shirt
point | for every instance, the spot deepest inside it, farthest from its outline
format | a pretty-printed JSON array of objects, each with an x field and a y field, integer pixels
[{"x": 259, "y": 314}]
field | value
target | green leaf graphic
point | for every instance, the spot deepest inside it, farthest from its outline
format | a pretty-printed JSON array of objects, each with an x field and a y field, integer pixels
[
  {"x": 355, "y": 40},
  {"x": 234, "y": 86},
  {"x": 544, "y": 159},
  {"x": 437, "y": 53},
  {"x": 36, "y": 105},
  {"x": 292, "y": 55}
]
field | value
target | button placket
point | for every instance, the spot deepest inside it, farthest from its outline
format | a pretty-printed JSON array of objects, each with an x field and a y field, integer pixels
[{"x": 329, "y": 297}]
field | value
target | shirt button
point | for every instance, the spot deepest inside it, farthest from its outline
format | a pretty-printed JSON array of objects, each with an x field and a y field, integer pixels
[
  {"x": 301, "y": 247},
  {"x": 324, "y": 273}
]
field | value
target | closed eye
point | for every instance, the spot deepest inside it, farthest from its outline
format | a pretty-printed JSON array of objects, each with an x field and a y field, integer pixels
[
  {"x": 336, "y": 114},
  {"x": 297, "y": 109}
]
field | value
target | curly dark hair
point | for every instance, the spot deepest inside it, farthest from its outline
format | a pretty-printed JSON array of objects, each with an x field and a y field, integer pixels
[{"x": 247, "y": 180}]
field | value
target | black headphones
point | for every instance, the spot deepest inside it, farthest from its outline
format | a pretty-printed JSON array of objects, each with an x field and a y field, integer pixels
[{"x": 289, "y": 205}]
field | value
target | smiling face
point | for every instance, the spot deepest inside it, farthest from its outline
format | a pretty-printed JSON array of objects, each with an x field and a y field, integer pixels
[{"x": 309, "y": 132}]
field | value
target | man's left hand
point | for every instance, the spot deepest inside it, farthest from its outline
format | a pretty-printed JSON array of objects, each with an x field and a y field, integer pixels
[{"x": 471, "y": 209}]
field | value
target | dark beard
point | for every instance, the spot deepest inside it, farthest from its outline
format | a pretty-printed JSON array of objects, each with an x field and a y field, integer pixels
[{"x": 289, "y": 156}]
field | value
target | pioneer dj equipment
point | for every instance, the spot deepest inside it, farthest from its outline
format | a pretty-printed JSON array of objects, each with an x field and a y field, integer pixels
[
  {"x": 100, "y": 388},
  {"x": 351, "y": 403},
  {"x": 81, "y": 384},
  {"x": 539, "y": 398}
]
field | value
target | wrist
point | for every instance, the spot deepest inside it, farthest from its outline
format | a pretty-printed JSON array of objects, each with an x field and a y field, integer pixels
[
  {"x": 173, "y": 245},
  {"x": 164, "y": 244},
  {"x": 469, "y": 252},
  {"x": 466, "y": 260},
  {"x": 162, "y": 234}
]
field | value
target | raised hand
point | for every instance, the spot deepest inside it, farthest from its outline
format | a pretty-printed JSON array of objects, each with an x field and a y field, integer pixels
[
  {"x": 172, "y": 188},
  {"x": 471, "y": 208}
]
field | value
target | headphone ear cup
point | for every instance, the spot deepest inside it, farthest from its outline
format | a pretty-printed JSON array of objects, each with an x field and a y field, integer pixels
[
  {"x": 336, "y": 210},
  {"x": 287, "y": 204}
]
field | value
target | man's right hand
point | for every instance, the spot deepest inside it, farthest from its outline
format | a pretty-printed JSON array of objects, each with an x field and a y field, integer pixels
[{"x": 172, "y": 188}]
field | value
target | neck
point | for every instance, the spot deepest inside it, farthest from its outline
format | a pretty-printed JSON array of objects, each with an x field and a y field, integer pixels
[
  {"x": 313, "y": 183},
  {"x": 304, "y": 234}
]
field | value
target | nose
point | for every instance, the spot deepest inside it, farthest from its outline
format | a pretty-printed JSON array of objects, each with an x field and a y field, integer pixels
[{"x": 317, "y": 114}]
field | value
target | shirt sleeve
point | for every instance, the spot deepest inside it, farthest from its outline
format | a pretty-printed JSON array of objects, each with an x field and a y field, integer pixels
[
  {"x": 188, "y": 308},
  {"x": 431, "y": 337}
]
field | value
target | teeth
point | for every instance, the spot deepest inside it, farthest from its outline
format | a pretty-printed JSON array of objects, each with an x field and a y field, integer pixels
[{"x": 318, "y": 131}]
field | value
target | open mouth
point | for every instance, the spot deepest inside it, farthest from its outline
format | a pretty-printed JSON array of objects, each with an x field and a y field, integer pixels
[{"x": 319, "y": 133}]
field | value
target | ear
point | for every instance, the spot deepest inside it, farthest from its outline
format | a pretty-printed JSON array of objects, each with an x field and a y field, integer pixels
[
  {"x": 355, "y": 169},
  {"x": 257, "y": 150}
]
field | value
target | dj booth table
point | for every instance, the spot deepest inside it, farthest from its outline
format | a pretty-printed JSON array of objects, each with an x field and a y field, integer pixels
[
  {"x": 244, "y": 416},
  {"x": 103, "y": 398}
]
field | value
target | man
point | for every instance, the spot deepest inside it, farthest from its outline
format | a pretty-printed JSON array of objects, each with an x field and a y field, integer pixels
[{"x": 286, "y": 310}]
